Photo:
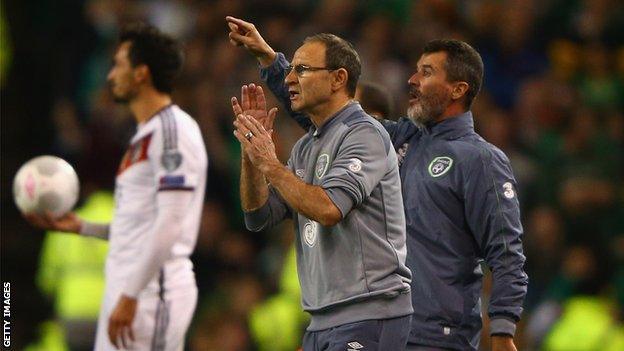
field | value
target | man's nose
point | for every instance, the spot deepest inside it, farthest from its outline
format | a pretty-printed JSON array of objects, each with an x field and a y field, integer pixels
[
  {"x": 291, "y": 77},
  {"x": 413, "y": 80}
]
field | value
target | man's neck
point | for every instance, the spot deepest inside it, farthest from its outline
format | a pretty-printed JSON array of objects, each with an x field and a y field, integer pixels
[
  {"x": 147, "y": 104},
  {"x": 451, "y": 111},
  {"x": 321, "y": 114}
]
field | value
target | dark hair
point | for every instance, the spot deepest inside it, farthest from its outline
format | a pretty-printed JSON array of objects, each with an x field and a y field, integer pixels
[
  {"x": 339, "y": 53},
  {"x": 375, "y": 98},
  {"x": 158, "y": 51},
  {"x": 463, "y": 64}
]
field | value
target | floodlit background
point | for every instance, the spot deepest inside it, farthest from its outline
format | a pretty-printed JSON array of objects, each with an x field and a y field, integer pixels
[{"x": 553, "y": 98}]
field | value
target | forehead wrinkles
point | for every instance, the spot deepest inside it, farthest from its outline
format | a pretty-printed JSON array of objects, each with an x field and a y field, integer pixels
[
  {"x": 312, "y": 54},
  {"x": 436, "y": 60}
]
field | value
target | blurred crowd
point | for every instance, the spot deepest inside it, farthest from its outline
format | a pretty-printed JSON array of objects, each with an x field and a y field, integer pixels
[{"x": 552, "y": 100}]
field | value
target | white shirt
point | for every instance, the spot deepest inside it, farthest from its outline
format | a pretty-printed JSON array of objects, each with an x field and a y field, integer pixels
[{"x": 167, "y": 154}]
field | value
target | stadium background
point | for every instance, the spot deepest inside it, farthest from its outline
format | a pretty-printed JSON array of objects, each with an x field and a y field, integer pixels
[{"x": 552, "y": 100}]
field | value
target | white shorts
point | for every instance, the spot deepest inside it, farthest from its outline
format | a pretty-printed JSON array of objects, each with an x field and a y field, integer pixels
[{"x": 158, "y": 325}]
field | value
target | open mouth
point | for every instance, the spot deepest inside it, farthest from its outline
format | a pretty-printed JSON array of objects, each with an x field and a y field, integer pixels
[
  {"x": 293, "y": 94},
  {"x": 414, "y": 96}
]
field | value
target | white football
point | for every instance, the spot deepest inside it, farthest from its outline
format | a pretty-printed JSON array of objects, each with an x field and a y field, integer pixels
[{"x": 46, "y": 184}]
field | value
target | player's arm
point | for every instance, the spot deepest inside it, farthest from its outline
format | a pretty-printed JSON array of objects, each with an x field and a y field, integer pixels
[
  {"x": 273, "y": 70},
  {"x": 493, "y": 213},
  {"x": 263, "y": 208},
  {"x": 69, "y": 223},
  {"x": 96, "y": 230},
  {"x": 173, "y": 205},
  {"x": 363, "y": 159},
  {"x": 357, "y": 169},
  {"x": 245, "y": 34},
  {"x": 309, "y": 200},
  {"x": 272, "y": 65}
]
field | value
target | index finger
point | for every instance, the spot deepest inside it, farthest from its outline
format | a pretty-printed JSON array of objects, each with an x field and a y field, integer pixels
[
  {"x": 233, "y": 27},
  {"x": 240, "y": 23},
  {"x": 236, "y": 107}
]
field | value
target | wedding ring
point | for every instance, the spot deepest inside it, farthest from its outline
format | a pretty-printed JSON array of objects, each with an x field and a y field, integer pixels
[{"x": 248, "y": 135}]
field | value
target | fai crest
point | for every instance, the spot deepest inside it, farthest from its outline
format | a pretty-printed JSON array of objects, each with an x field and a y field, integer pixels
[
  {"x": 440, "y": 165},
  {"x": 309, "y": 233},
  {"x": 322, "y": 163},
  {"x": 171, "y": 160}
]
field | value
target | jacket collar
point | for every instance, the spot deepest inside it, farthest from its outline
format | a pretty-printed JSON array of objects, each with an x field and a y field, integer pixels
[
  {"x": 453, "y": 127},
  {"x": 344, "y": 112}
]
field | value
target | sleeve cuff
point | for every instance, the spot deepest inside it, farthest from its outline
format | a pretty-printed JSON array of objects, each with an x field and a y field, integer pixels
[
  {"x": 502, "y": 326},
  {"x": 276, "y": 67},
  {"x": 131, "y": 291},
  {"x": 341, "y": 199},
  {"x": 94, "y": 230},
  {"x": 256, "y": 220}
]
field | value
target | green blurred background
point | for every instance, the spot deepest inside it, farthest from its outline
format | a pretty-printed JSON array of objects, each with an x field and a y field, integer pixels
[{"x": 553, "y": 98}]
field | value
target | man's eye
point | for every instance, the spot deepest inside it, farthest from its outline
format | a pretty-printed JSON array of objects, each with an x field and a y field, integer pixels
[{"x": 301, "y": 68}]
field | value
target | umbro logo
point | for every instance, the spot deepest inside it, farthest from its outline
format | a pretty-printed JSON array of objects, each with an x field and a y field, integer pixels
[{"x": 354, "y": 346}]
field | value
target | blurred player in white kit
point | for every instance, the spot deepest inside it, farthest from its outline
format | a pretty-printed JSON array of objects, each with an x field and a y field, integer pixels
[{"x": 151, "y": 292}]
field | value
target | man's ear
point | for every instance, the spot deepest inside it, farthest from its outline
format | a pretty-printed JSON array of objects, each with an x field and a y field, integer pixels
[
  {"x": 141, "y": 73},
  {"x": 459, "y": 90},
  {"x": 341, "y": 76}
]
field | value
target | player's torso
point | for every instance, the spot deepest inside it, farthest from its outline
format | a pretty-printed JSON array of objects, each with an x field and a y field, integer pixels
[
  {"x": 135, "y": 191},
  {"x": 136, "y": 188},
  {"x": 433, "y": 173},
  {"x": 441, "y": 250}
]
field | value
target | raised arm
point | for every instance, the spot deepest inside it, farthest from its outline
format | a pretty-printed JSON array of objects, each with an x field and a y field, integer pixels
[
  {"x": 273, "y": 65},
  {"x": 246, "y": 35}
]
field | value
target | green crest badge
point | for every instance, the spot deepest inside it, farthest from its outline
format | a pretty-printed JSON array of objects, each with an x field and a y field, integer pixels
[
  {"x": 322, "y": 163},
  {"x": 440, "y": 165}
]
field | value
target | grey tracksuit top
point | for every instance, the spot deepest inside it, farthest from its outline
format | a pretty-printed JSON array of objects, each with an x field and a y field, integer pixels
[{"x": 355, "y": 270}]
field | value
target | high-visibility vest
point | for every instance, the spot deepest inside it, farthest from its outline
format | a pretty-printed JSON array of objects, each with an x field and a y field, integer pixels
[
  {"x": 587, "y": 324},
  {"x": 278, "y": 323},
  {"x": 71, "y": 270},
  {"x": 51, "y": 338}
]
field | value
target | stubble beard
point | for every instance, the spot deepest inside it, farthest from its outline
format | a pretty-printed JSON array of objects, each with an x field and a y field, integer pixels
[
  {"x": 124, "y": 98},
  {"x": 428, "y": 108},
  {"x": 121, "y": 99}
]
